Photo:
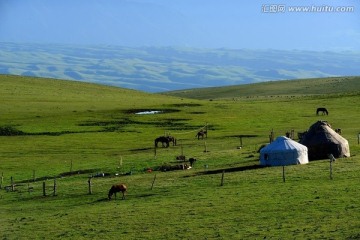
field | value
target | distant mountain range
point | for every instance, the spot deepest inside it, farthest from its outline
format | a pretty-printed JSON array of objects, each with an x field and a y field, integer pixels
[{"x": 158, "y": 69}]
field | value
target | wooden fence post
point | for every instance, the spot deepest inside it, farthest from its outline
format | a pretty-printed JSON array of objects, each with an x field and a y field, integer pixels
[
  {"x": 152, "y": 185},
  {"x": 29, "y": 188},
  {"x": 283, "y": 171},
  {"x": 120, "y": 162},
  {"x": 222, "y": 178},
  {"x": 44, "y": 188},
  {"x": 90, "y": 185},
  {"x": 271, "y": 136},
  {"x": 2, "y": 180},
  {"x": 12, "y": 184},
  {"x": 332, "y": 159},
  {"x": 55, "y": 187}
]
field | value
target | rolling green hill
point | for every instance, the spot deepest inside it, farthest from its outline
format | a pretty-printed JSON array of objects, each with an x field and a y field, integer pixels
[
  {"x": 82, "y": 138},
  {"x": 302, "y": 87}
]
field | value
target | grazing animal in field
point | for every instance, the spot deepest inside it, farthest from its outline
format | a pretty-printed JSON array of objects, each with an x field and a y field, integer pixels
[
  {"x": 117, "y": 188},
  {"x": 192, "y": 161},
  {"x": 164, "y": 141},
  {"x": 202, "y": 133},
  {"x": 338, "y": 130},
  {"x": 323, "y": 110},
  {"x": 172, "y": 139}
]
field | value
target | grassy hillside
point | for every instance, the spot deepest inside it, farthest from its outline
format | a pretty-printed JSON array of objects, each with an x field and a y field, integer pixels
[
  {"x": 70, "y": 131},
  {"x": 301, "y": 87}
]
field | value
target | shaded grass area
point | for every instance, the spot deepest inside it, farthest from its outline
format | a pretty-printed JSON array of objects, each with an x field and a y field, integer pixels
[{"x": 233, "y": 169}]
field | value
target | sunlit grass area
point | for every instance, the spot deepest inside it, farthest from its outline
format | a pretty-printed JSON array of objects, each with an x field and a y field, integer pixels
[{"x": 67, "y": 132}]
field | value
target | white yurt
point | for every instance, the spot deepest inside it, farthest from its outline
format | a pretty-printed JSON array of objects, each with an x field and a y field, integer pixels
[{"x": 283, "y": 151}]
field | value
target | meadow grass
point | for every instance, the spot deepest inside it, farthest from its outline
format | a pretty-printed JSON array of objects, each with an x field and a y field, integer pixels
[
  {"x": 274, "y": 89},
  {"x": 89, "y": 129}
]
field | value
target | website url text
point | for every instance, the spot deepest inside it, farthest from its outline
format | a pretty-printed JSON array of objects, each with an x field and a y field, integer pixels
[{"x": 282, "y": 8}]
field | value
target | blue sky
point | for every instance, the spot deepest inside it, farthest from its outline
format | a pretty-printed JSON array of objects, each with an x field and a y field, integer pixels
[{"x": 238, "y": 24}]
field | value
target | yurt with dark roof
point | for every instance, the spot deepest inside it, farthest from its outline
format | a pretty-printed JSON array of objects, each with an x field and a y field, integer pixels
[{"x": 321, "y": 140}]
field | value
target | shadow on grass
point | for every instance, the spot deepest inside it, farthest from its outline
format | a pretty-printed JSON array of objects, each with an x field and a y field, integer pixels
[
  {"x": 105, "y": 199},
  {"x": 234, "y": 169},
  {"x": 102, "y": 200},
  {"x": 144, "y": 195},
  {"x": 141, "y": 149}
]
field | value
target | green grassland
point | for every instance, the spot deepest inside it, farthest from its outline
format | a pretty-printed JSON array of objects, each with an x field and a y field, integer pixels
[
  {"x": 69, "y": 131},
  {"x": 285, "y": 88}
]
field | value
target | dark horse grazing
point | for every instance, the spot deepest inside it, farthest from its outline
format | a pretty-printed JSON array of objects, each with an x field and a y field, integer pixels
[
  {"x": 117, "y": 188},
  {"x": 201, "y": 134},
  {"x": 165, "y": 141},
  {"x": 323, "y": 110}
]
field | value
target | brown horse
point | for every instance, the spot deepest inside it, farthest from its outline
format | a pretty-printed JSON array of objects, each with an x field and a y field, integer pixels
[
  {"x": 201, "y": 134},
  {"x": 117, "y": 188}
]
